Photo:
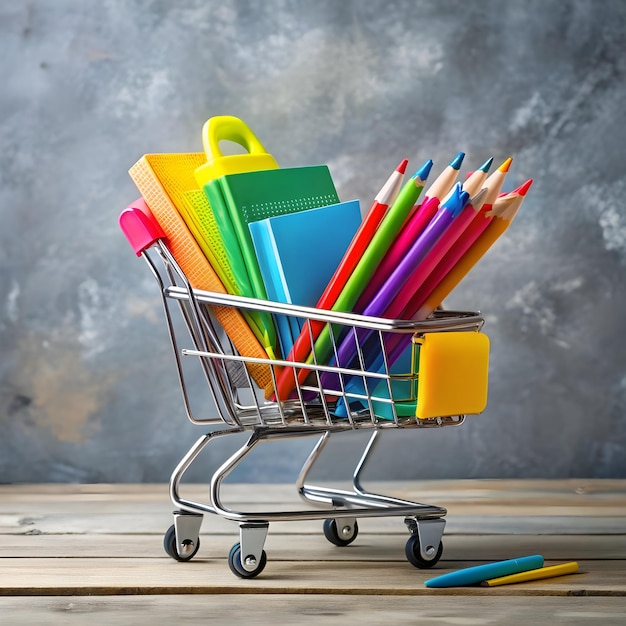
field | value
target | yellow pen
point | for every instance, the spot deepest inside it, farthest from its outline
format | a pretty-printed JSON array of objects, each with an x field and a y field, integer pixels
[{"x": 534, "y": 574}]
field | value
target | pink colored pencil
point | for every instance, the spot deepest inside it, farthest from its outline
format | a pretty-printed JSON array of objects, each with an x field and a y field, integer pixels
[{"x": 410, "y": 232}]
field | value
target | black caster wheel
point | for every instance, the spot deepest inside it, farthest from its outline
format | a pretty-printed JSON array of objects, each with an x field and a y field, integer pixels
[
  {"x": 237, "y": 568},
  {"x": 414, "y": 557},
  {"x": 344, "y": 538},
  {"x": 169, "y": 544}
]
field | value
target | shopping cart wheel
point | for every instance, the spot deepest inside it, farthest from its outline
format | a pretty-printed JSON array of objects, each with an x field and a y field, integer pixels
[
  {"x": 236, "y": 566},
  {"x": 349, "y": 531},
  {"x": 414, "y": 554},
  {"x": 169, "y": 544}
]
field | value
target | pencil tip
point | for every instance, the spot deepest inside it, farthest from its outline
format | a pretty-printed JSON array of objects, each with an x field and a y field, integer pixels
[
  {"x": 402, "y": 167},
  {"x": 424, "y": 171},
  {"x": 479, "y": 199},
  {"x": 456, "y": 162},
  {"x": 457, "y": 200},
  {"x": 486, "y": 165},
  {"x": 522, "y": 190},
  {"x": 504, "y": 168}
]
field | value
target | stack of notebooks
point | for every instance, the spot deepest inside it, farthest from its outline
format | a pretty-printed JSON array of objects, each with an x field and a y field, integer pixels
[{"x": 243, "y": 225}]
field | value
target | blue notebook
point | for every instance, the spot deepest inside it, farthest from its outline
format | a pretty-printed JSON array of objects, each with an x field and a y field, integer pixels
[{"x": 298, "y": 254}]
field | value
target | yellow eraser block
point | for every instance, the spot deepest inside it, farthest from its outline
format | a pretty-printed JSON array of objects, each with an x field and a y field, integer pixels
[{"x": 453, "y": 374}]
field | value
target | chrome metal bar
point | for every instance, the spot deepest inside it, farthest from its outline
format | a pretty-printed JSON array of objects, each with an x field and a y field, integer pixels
[
  {"x": 301, "y": 487},
  {"x": 448, "y": 320},
  {"x": 355, "y": 505},
  {"x": 183, "y": 465},
  {"x": 205, "y": 336}
]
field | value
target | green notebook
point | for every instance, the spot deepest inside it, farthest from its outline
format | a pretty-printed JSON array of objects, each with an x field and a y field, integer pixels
[
  {"x": 198, "y": 215},
  {"x": 238, "y": 199}
]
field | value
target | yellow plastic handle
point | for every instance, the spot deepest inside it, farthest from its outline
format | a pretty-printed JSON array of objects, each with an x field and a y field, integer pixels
[{"x": 228, "y": 128}]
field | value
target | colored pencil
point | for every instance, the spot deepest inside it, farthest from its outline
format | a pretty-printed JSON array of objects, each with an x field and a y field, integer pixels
[
  {"x": 492, "y": 184},
  {"x": 496, "y": 180},
  {"x": 533, "y": 574},
  {"x": 442, "y": 185},
  {"x": 443, "y": 220},
  {"x": 375, "y": 250},
  {"x": 383, "y": 200},
  {"x": 474, "y": 182},
  {"x": 395, "y": 343},
  {"x": 421, "y": 273}
]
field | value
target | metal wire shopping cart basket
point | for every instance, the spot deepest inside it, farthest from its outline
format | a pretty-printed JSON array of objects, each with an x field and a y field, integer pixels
[{"x": 331, "y": 399}]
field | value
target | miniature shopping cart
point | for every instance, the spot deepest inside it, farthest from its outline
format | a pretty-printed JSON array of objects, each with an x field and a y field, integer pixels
[{"x": 326, "y": 398}]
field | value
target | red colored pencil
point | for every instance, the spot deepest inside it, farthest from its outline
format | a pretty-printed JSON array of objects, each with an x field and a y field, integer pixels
[{"x": 383, "y": 200}]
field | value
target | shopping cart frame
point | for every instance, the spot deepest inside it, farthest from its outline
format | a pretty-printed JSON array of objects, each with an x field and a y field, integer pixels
[{"x": 308, "y": 412}]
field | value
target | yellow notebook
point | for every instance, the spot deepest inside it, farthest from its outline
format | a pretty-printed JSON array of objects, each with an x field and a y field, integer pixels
[
  {"x": 197, "y": 213},
  {"x": 163, "y": 179}
]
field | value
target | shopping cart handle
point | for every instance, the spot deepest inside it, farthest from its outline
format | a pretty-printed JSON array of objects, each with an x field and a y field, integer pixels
[{"x": 139, "y": 226}]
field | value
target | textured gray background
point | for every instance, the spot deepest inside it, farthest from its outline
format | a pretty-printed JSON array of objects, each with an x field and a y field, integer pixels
[{"x": 87, "y": 385}]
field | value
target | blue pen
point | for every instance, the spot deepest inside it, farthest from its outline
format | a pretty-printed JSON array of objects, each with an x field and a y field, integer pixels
[{"x": 479, "y": 573}]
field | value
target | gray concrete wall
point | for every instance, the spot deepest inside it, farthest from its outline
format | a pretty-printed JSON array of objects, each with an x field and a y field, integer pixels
[{"x": 87, "y": 385}]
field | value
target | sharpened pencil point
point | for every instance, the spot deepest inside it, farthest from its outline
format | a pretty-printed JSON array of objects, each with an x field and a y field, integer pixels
[
  {"x": 402, "y": 167},
  {"x": 456, "y": 162},
  {"x": 486, "y": 165},
  {"x": 504, "y": 168},
  {"x": 522, "y": 190},
  {"x": 424, "y": 171}
]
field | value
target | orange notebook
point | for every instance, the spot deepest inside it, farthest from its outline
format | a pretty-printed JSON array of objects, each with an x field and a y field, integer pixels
[{"x": 163, "y": 179}]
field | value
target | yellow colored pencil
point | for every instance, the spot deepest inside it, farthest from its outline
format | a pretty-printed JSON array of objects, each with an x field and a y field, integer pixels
[
  {"x": 533, "y": 574},
  {"x": 494, "y": 183}
]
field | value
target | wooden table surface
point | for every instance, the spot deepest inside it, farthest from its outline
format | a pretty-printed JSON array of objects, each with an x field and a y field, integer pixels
[{"x": 78, "y": 554}]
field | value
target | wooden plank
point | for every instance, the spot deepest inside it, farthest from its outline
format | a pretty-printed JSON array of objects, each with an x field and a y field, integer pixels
[
  {"x": 314, "y": 547},
  {"x": 115, "y": 576},
  {"x": 316, "y": 610},
  {"x": 107, "y": 540},
  {"x": 477, "y": 507},
  {"x": 572, "y": 492},
  {"x": 94, "y": 521}
]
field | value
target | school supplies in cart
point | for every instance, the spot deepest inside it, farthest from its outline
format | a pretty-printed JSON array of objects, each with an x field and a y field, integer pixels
[{"x": 436, "y": 384}]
